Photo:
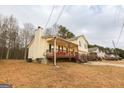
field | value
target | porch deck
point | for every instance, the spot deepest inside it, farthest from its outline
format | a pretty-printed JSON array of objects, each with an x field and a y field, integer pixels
[{"x": 60, "y": 54}]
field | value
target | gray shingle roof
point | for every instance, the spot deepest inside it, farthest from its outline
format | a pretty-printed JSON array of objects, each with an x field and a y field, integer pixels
[{"x": 75, "y": 38}]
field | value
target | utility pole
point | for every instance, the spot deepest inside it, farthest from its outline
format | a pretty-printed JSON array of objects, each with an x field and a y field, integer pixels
[
  {"x": 55, "y": 32},
  {"x": 114, "y": 48}
]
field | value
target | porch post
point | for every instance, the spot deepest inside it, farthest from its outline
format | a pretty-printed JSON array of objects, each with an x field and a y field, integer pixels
[
  {"x": 55, "y": 51},
  {"x": 69, "y": 52}
]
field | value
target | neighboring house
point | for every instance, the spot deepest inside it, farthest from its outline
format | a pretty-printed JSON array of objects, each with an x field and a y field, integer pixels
[
  {"x": 42, "y": 46},
  {"x": 99, "y": 52}
]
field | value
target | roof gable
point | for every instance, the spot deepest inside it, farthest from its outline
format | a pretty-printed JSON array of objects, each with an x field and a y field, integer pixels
[{"x": 75, "y": 38}]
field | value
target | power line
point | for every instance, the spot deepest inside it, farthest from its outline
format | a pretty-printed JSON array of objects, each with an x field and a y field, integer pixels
[
  {"x": 117, "y": 15},
  {"x": 120, "y": 34},
  {"x": 55, "y": 36},
  {"x": 118, "y": 38},
  {"x": 55, "y": 24},
  {"x": 49, "y": 16},
  {"x": 116, "y": 21},
  {"x": 114, "y": 48},
  {"x": 60, "y": 14}
]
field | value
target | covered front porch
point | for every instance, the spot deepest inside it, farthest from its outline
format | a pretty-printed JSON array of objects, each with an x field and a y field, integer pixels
[{"x": 61, "y": 48}]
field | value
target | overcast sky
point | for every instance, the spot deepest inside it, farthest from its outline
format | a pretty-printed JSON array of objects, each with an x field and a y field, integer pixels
[{"x": 99, "y": 24}]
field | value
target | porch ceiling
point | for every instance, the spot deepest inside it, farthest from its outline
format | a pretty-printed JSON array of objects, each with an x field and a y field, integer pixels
[{"x": 62, "y": 42}]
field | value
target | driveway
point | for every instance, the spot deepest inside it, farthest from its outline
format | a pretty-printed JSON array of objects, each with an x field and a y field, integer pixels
[{"x": 106, "y": 64}]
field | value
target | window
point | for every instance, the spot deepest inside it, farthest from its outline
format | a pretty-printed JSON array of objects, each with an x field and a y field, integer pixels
[
  {"x": 49, "y": 47},
  {"x": 80, "y": 43},
  {"x": 85, "y": 46}
]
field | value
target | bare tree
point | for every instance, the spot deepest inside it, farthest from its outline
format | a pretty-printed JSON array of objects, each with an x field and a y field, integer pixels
[
  {"x": 10, "y": 26},
  {"x": 13, "y": 39},
  {"x": 3, "y": 34},
  {"x": 48, "y": 32},
  {"x": 27, "y": 35},
  {"x": 1, "y": 39}
]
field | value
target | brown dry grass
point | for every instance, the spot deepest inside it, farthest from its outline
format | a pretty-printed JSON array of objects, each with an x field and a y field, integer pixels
[{"x": 22, "y": 74}]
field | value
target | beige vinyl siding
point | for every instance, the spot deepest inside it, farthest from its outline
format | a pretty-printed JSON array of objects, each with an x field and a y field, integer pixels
[
  {"x": 38, "y": 47},
  {"x": 82, "y": 45}
]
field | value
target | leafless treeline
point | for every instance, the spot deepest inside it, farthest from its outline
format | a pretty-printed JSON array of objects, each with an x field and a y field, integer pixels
[{"x": 13, "y": 39}]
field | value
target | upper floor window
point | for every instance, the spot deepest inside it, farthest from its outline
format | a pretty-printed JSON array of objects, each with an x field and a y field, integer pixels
[
  {"x": 80, "y": 43},
  {"x": 85, "y": 46}
]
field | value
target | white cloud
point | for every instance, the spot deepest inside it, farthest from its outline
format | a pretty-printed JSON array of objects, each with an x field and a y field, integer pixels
[{"x": 100, "y": 24}]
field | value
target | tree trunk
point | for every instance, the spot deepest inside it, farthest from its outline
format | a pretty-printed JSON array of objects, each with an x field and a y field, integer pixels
[
  {"x": 2, "y": 53},
  {"x": 8, "y": 51},
  {"x": 25, "y": 53},
  {"x": 16, "y": 53}
]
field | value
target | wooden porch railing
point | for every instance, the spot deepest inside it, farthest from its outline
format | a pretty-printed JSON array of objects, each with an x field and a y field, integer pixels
[{"x": 60, "y": 54}]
